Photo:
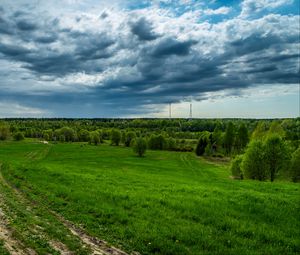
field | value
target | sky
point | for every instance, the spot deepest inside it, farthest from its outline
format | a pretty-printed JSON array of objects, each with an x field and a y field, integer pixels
[{"x": 132, "y": 58}]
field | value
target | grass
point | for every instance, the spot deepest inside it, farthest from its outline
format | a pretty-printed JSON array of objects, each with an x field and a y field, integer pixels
[
  {"x": 3, "y": 251},
  {"x": 163, "y": 203}
]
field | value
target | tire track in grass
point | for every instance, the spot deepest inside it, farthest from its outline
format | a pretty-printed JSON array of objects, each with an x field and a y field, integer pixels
[
  {"x": 96, "y": 245},
  {"x": 12, "y": 245}
]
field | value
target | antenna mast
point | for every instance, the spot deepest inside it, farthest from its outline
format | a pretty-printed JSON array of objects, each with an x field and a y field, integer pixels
[
  {"x": 191, "y": 113},
  {"x": 170, "y": 111}
]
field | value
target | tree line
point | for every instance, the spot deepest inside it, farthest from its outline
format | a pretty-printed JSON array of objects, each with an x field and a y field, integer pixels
[{"x": 260, "y": 149}]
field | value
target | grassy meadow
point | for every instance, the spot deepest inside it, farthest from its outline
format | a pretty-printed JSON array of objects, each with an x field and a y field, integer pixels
[{"x": 163, "y": 203}]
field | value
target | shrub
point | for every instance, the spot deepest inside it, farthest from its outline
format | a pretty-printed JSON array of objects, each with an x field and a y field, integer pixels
[
  {"x": 295, "y": 166},
  {"x": 140, "y": 146},
  {"x": 253, "y": 164},
  {"x": 129, "y": 138},
  {"x": 156, "y": 142},
  {"x": 235, "y": 167},
  {"x": 84, "y": 135},
  {"x": 94, "y": 138},
  {"x": 115, "y": 137},
  {"x": 171, "y": 144},
  {"x": 18, "y": 136},
  {"x": 68, "y": 134},
  {"x": 275, "y": 155},
  {"x": 4, "y": 132},
  {"x": 202, "y": 143}
]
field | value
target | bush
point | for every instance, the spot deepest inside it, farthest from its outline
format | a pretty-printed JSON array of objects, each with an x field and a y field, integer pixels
[
  {"x": 254, "y": 164},
  {"x": 235, "y": 167},
  {"x": 295, "y": 166},
  {"x": 94, "y": 138},
  {"x": 202, "y": 143},
  {"x": 275, "y": 155},
  {"x": 84, "y": 135},
  {"x": 129, "y": 138},
  {"x": 4, "y": 132},
  {"x": 19, "y": 136},
  {"x": 156, "y": 142},
  {"x": 115, "y": 137},
  {"x": 68, "y": 134},
  {"x": 140, "y": 146}
]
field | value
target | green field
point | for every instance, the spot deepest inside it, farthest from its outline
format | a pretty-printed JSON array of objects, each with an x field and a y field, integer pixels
[{"x": 163, "y": 203}]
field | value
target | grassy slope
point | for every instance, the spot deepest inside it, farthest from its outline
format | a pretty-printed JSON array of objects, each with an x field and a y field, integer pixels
[{"x": 167, "y": 202}]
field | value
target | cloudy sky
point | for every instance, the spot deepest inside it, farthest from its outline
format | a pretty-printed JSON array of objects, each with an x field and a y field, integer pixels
[{"x": 131, "y": 58}]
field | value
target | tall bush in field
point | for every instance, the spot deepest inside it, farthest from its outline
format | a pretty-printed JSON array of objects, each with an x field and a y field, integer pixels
[
  {"x": 156, "y": 142},
  {"x": 236, "y": 167},
  {"x": 115, "y": 137},
  {"x": 94, "y": 138},
  {"x": 4, "y": 132},
  {"x": 68, "y": 134},
  {"x": 18, "y": 136},
  {"x": 229, "y": 137},
  {"x": 295, "y": 166},
  {"x": 129, "y": 136},
  {"x": 275, "y": 155},
  {"x": 202, "y": 143},
  {"x": 140, "y": 146},
  {"x": 242, "y": 137},
  {"x": 84, "y": 135},
  {"x": 254, "y": 164}
]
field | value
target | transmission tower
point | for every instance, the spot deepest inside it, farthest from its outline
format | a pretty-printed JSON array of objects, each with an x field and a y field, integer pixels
[
  {"x": 191, "y": 113},
  {"x": 170, "y": 110}
]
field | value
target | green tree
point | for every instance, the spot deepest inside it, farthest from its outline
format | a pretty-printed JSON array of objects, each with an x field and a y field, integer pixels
[
  {"x": 254, "y": 163},
  {"x": 217, "y": 135},
  {"x": 115, "y": 137},
  {"x": 18, "y": 136},
  {"x": 68, "y": 133},
  {"x": 157, "y": 142},
  {"x": 275, "y": 155},
  {"x": 242, "y": 137},
  {"x": 229, "y": 138},
  {"x": 84, "y": 135},
  {"x": 140, "y": 146},
  {"x": 276, "y": 128},
  {"x": 236, "y": 167},
  {"x": 260, "y": 130},
  {"x": 295, "y": 166},
  {"x": 4, "y": 132},
  {"x": 94, "y": 138},
  {"x": 202, "y": 143},
  {"x": 129, "y": 136},
  {"x": 171, "y": 144}
]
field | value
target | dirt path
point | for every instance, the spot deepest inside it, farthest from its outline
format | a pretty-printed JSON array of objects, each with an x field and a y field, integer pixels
[
  {"x": 97, "y": 246},
  {"x": 13, "y": 246}
]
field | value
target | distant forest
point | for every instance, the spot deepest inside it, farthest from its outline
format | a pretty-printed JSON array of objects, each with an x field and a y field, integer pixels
[{"x": 259, "y": 149}]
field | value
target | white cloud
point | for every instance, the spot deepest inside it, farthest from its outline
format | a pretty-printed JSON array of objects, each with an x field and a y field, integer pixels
[
  {"x": 222, "y": 10},
  {"x": 254, "y": 6},
  {"x": 16, "y": 110}
]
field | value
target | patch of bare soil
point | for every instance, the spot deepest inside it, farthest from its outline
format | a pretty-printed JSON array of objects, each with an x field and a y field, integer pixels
[
  {"x": 60, "y": 247},
  {"x": 13, "y": 246},
  {"x": 98, "y": 246}
]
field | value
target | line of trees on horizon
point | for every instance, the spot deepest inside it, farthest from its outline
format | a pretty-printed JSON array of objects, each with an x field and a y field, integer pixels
[{"x": 252, "y": 144}]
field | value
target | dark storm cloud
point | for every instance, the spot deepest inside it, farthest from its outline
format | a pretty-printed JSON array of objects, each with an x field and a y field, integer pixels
[
  {"x": 128, "y": 66},
  {"x": 14, "y": 51},
  {"x": 171, "y": 46},
  {"x": 26, "y": 25},
  {"x": 143, "y": 29}
]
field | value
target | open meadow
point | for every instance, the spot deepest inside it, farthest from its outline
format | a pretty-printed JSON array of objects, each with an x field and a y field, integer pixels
[{"x": 163, "y": 203}]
